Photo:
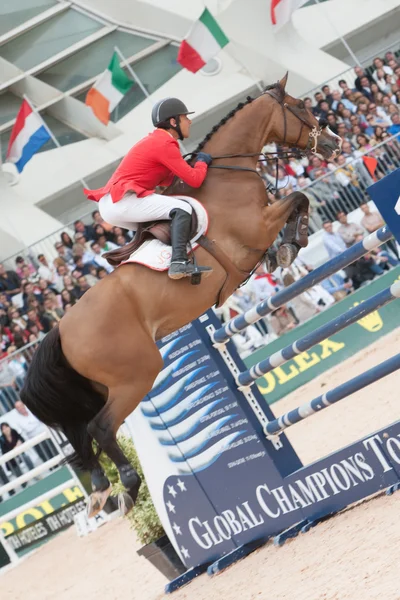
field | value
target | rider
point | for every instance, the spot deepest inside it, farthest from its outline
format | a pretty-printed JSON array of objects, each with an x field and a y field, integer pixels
[{"x": 129, "y": 196}]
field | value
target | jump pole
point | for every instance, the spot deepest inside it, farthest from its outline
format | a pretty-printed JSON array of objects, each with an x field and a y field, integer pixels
[
  {"x": 338, "y": 393},
  {"x": 246, "y": 378},
  {"x": 267, "y": 306}
]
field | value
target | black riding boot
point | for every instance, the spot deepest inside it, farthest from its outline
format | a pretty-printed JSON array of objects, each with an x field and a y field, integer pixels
[{"x": 180, "y": 236}]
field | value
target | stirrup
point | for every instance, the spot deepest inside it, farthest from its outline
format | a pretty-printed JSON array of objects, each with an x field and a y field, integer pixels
[{"x": 182, "y": 268}]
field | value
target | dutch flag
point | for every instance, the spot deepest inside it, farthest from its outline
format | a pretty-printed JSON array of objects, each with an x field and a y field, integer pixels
[{"x": 28, "y": 135}]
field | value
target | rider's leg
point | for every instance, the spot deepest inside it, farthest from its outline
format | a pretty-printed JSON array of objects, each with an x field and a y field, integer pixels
[
  {"x": 156, "y": 207},
  {"x": 180, "y": 236}
]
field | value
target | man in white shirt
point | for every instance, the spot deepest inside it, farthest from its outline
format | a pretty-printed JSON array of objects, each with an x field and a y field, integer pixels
[
  {"x": 46, "y": 271},
  {"x": 29, "y": 427},
  {"x": 333, "y": 242},
  {"x": 98, "y": 258}
]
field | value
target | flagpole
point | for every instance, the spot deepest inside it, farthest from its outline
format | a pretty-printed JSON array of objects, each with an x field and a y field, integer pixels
[
  {"x": 51, "y": 134},
  {"x": 132, "y": 72},
  {"x": 345, "y": 44}
]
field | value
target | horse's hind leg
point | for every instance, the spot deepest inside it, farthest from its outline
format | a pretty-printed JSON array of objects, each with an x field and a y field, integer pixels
[
  {"x": 122, "y": 400},
  {"x": 295, "y": 235}
]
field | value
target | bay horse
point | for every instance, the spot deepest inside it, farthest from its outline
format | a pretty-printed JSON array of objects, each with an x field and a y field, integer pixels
[{"x": 90, "y": 372}]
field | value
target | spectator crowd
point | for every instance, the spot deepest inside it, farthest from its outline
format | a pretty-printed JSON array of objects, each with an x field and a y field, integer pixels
[{"x": 363, "y": 115}]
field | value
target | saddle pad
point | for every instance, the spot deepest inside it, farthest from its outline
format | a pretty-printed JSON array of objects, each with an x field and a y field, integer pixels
[{"x": 156, "y": 255}]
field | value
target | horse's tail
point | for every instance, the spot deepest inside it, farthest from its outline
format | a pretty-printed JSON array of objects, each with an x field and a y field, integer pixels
[{"x": 61, "y": 398}]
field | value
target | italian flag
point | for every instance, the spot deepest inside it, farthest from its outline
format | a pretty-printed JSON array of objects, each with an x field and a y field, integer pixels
[
  {"x": 108, "y": 91},
  {"x": 282, "y": 10},
  {"x": 202, "y": 43}
]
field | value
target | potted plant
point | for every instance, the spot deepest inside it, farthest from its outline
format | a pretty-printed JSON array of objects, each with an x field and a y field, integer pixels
[{"x": 144, "y": 518}]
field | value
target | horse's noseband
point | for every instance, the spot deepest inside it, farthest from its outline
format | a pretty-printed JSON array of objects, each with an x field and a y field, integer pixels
[{"x": 315, "y": 131}]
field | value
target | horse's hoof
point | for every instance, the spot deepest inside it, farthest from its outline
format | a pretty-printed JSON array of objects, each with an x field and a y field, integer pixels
[
  {"x": 286, "y": 255},
  {"x": 271, "y": 264},
  {"x": 96, "y": 502},
  {"x": 125, "y": 503}
]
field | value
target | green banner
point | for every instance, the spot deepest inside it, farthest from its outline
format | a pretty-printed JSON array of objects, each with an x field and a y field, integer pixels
[{"x": 325, "y": 355}]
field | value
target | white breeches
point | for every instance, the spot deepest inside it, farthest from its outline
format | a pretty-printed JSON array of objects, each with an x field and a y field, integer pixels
[{"x": 131, "y": 210}]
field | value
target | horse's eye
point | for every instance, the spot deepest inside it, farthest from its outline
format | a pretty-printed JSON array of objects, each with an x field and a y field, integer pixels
[{"x": 302, "y": 105}]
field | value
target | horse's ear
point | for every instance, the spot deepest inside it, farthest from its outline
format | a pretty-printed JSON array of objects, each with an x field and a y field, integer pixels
[{"x": 283, "y": 81}]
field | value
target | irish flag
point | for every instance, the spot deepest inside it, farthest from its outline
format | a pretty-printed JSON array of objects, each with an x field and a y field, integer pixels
[
  {"x": 202, "y": 43},
  {"x": 282, "y": 10},
  {"x": 108, "y": 91}
]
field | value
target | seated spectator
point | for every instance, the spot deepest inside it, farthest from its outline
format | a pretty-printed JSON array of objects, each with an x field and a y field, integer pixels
[
  {"x": 101, "y": 273},
  {"x": 91, "y": 277},
  {"x": 99, "y": 230},
  {"x": 64, "y": 253},
  {"x": 118, "y": 231},
  {"x": 83, "y": 286},
  {"x": 20, "y": 262},
  {"x": 316, "y": 164},
  {"x": 333, "y": 242},
  {"x": 9, "y": 282},
  {"x": 380, "y": 65},
  {"x": 46, "y": 271},
  {"x": 71, "y": 285},
  {"x": 332, "y": 122},
  {"x": 105, "y": 246},
  {"x": 380, "y": 134},
  {"x": 81, "y": 248},
  {"x": 98, "y": 258},
  {"x": 338, "y": 286},
  {"x": 359, "y": 71},
  {"x": 52, "y": 312},
  {"x": 394, "y": 129},
  {"x": 66, "y": 240},
  {"x": 9, "y": 439},
  {"x": 363, "y": 143},
  {"x": 87, "y": 230},
  {"x": 30, "y": 294},
  {"x": 326, "y": 90},
  {"x": 34, "y": 317},
  {"x": 67, "y": 298},
  {"x": 15, "y": 317},
  {"x": 98, "y": 220},
  {"x": 324, "y": 109},
  {"x": 19, "y": 335},
  {"x": 348, "y": 231},
  {"x": 62, "y": 271},
  {"x": 34, "y": 333}
]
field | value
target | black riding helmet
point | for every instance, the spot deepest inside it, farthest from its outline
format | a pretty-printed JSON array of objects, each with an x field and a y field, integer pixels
[{"x": 166, "y": 109}]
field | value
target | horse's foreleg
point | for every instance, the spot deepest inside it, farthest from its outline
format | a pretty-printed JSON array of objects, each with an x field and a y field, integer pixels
[
  {"x": 295, "y": 234},
  {"x": 291, "y": 211}
]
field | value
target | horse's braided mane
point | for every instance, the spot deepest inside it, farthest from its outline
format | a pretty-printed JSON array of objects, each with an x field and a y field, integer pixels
[{"x": 231, "y": 114}]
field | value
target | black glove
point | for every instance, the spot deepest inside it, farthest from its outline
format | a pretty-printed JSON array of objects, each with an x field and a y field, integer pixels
[{"x": 204, "y": 157}]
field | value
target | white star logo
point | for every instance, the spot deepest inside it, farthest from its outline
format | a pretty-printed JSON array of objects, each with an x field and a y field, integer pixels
[
  {"x": 177, "y": 529},
  {"x": 185, "y": 552},
  {"x": 181, "y": 485},
  {"x": 172, "y": 491},
  {"x": 171, "y": 507}
]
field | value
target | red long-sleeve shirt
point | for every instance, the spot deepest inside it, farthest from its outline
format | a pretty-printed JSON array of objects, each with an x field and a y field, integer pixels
[{"x": 153, "y": 161}]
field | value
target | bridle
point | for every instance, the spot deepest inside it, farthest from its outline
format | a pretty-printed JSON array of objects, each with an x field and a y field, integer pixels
[{"x": 278, "y": 94}]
